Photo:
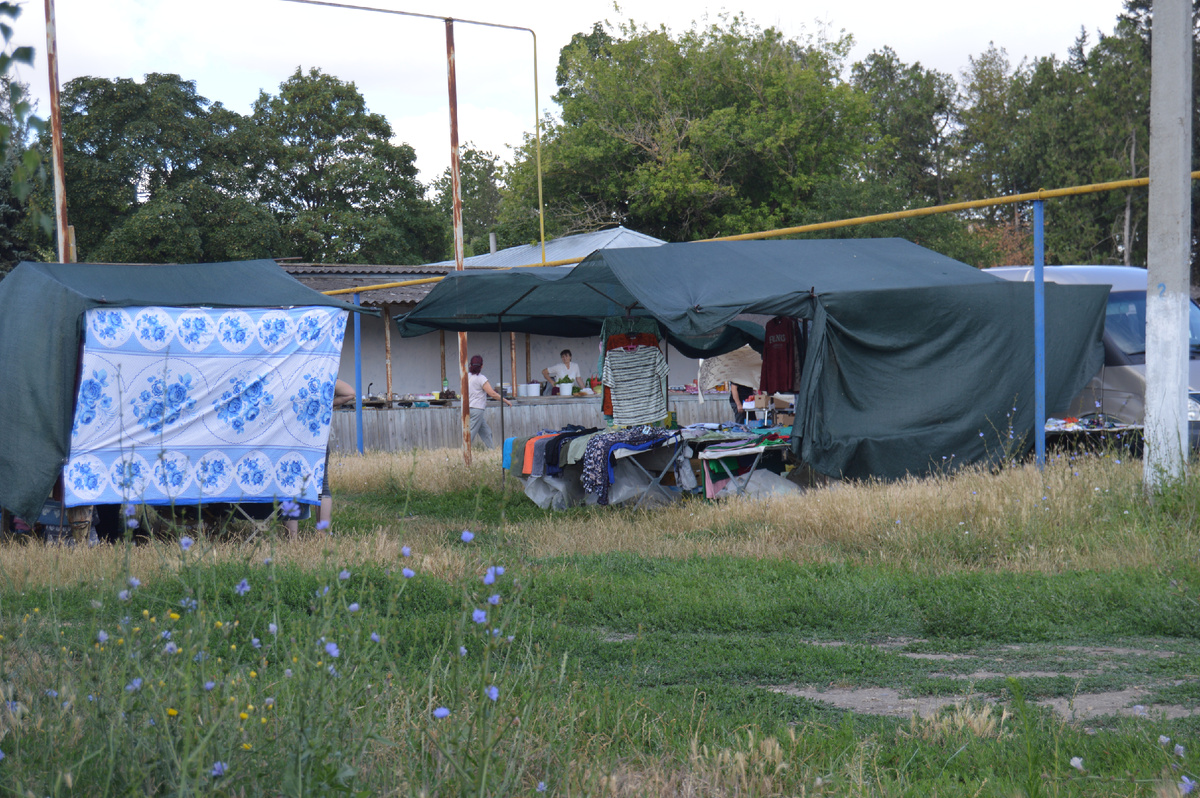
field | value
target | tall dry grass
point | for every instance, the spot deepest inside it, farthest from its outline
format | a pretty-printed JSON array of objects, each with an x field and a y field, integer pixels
[{"x": 1083, "y": 513}]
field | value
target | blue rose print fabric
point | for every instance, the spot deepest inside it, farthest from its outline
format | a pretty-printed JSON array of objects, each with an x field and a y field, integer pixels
[{"x": 189, "y": 405}]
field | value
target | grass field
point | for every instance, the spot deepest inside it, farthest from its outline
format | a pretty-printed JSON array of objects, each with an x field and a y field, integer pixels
[{"x": 1017, "y": 633}]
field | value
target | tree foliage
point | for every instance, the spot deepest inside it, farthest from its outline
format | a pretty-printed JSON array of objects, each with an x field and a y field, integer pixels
[
  {"x": 479, "y": 190},
  {"x": 715, "y": 131},
  {"x": 341, "y": 190},
  {"x": 157, "y": 173}
]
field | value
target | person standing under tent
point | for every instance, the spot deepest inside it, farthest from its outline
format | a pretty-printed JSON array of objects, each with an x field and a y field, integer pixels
[
  {"x": 552, "y": 374},
  {"x": 478, "y": 391},
  {"x": 739, "y": 394}
]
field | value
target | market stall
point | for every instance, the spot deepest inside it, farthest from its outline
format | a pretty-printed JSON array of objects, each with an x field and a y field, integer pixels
[
  {"x": 172, "y": 384},
  {"x": 910, "y": 357}
]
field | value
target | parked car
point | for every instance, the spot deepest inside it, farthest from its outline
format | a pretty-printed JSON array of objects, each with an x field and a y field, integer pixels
[{"x": 1119, "y": 389}]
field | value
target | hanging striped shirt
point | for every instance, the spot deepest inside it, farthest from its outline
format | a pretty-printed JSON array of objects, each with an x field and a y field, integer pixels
[{"x": 636, "y": 379}]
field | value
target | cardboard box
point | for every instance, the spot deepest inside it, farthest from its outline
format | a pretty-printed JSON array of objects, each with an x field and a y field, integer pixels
[
  {"x": 785, "y": 419},
  {"x": 762, "y": 401}
]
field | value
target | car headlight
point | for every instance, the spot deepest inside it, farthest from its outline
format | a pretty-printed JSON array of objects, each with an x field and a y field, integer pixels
[{"x": 1193, "y": 407}]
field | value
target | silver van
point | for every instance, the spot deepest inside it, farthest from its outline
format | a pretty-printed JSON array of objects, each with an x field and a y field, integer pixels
[{"x": 1119, "y": 390}]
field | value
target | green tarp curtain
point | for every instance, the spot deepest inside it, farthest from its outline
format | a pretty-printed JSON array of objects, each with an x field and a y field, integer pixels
[
  {"x": 912, "y": 352},
  {"x": 922, "y": 380},
  {"x": 42, "y": 308}
]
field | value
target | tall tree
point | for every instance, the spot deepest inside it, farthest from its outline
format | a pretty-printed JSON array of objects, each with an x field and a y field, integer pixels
[
  {"x": 987, "y": 115},
  {"x": 342, "y": 191},
  {"x": 479, "y": 189},
  {"x": 132, "y": 152},
  {"x": 717, "y": 130},
  {"x": 913, "y": 112}
]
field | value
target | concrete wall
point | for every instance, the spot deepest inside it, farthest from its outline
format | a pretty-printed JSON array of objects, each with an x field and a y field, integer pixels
[{"x": 416, "y": 362}]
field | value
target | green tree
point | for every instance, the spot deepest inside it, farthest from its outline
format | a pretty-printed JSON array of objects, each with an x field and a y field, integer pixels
[
  {"x": 20, "y": 163},
  {"x": 193, "y": 223},
  {"x": 479, "y": 189},
  {"x": 149, "y": 176},
  {"x": 913, "y": 113},
  {"x": 716, "y": 131},
  {"x": 341, "y": 191},
  {"x": 987, "y": 116},
  {"x": 16, "y": 234}
]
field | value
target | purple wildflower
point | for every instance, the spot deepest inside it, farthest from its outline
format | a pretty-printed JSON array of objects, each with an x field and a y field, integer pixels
[
  {"x": 441, "y": 712},
  {"x": 242, "y": 588}
]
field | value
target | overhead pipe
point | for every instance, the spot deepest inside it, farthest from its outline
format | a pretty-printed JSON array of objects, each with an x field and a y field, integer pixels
[{"x": 1042, "y": 194}]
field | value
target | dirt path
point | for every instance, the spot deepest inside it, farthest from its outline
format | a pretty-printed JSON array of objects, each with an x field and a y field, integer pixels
[{"x": 1078, "y": 662}]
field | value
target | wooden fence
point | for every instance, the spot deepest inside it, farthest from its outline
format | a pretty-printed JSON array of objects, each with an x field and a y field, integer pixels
[{"x": 403, "y": 428}]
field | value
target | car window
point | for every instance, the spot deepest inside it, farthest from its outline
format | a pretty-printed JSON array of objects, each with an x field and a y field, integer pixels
[{"x": 1125, "y": 322}]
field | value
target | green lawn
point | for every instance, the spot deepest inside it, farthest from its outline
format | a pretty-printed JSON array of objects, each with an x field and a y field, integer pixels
[{"x": 614, "y": 672}]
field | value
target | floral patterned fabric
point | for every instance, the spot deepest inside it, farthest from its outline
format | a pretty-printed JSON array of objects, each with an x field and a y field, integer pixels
[{"x": 189, "y": 405}]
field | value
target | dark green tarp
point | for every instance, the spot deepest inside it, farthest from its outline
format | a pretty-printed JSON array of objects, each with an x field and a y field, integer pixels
[
  {"x": 913, "y": 356},
  {"x": 42, "y": 308},
  {"x": 551, "y": 301}
]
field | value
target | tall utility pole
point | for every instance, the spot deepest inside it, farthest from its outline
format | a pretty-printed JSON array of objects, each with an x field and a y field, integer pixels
[
  {"x": 60, "y": 182},
  {"x": 456, "y": 206},
  {"x": 1170, "y": 240}
]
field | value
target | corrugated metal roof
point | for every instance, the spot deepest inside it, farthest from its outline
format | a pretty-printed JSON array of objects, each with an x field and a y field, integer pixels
[
  {"x": 393, "y": 296},
  {"x": 355, "y": 269},
  {"x": 576, "y": 246}
]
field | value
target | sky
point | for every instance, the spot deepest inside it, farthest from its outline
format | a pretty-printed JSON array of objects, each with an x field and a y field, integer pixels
[{"x": 233, "y": 49}]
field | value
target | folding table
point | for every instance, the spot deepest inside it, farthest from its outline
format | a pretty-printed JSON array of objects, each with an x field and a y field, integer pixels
[{"x": 722, "y": 454}]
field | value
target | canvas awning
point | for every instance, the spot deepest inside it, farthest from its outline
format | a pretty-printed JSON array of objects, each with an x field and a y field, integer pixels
[{"x": 913, "y": 356}]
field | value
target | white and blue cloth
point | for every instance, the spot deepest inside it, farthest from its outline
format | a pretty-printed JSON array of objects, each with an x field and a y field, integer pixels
[{"x": 200, "y": 405}]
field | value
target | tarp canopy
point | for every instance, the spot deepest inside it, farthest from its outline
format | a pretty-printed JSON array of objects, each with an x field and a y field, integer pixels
[
  {"x": 552, "y": 300},
  {"x": 42, "y": 307},
  {"x": 912, "y": 356}
]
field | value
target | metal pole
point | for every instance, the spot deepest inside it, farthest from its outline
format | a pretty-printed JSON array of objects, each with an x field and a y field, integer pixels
[
  {"x": 60, "y": 180},
  {"x": 528, "y": 373},
  {"x": 500, "y": 360},
  {"x": 358, "y": 389},
  {"x": 1169, "y": 249},
  {"x": 1039, "y": 334},
  {"x": 456, "y": 193},
  {"x": 387, "y": 351}
]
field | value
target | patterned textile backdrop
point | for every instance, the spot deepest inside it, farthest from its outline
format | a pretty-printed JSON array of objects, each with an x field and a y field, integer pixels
[{"x": 187, "y": 405}]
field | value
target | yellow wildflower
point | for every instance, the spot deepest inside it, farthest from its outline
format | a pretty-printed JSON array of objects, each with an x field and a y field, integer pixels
[
  {"x": 243, "y": 715},
  {"x": 172, "y": 711}
]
